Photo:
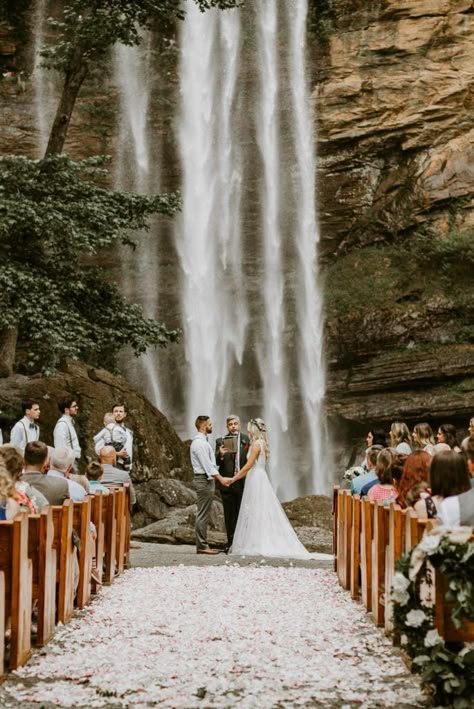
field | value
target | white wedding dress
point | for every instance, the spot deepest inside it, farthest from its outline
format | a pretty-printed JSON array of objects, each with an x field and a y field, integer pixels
[{"x": 263, "y": 529}]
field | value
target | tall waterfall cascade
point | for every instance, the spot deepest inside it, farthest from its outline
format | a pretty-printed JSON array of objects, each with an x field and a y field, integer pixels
[{"x": 236, "y": 271}]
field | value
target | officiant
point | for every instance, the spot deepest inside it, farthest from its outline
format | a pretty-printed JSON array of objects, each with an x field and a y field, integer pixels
[{"x": 231, "y": 455}]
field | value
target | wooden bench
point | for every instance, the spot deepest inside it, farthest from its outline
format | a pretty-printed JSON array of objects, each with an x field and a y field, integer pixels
[
  {"x": 344, "y": 521},
  {"x": 18, "y": 580},
  {"x": 379, "y": 542},
  {"x": 110, "y": 536},
  {"x": 42, "y": 553},
  {"x": 367, "y": 537},
  {"x": 66, "y": 560},
  {"x": 81, "y": 524},
  {"x": 97, "y": 518}
]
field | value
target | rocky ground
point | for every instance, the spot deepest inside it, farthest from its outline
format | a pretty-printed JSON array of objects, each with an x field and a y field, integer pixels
[{"x": 199, "y": 632}]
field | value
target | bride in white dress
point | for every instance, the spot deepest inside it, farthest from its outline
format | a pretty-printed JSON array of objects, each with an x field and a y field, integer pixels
[{"x": 263, "y": 529}]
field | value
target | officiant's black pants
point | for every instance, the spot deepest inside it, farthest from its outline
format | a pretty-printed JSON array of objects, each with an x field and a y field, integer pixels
[{"x": 231, "y": 502}]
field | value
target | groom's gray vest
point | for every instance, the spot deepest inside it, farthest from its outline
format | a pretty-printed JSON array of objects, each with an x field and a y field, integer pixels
[{"x": 466, "y": 508}]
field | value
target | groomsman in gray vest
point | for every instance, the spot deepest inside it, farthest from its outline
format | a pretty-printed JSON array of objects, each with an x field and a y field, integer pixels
[
  {"x": 64, "y": 434},
  {"x": 26, "y": 430},
  {"x": 206, "y": 473}
]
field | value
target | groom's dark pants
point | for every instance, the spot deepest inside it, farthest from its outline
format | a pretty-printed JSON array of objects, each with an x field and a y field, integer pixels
[{"x": 205, "y": 489}]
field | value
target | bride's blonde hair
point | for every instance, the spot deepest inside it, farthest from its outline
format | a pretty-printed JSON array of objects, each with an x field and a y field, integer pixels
[{"x": 258, "y": 432}]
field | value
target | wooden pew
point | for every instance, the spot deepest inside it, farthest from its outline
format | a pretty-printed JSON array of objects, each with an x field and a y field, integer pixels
[
  {"x": 2, "y": 624},
  {"x": 121, "y": 529},
  {"x": 367, "y": 536},
  {"x": 442, "y": 615},
  {"x": 128, "y": 524},
  {"x": 393, "y": 552},
  {"x": 65, "y": 560},
  {"x": 110, "y": 536},
  {"x": 344, "y": 521},
  {"x": 43, "y": 556},
  {"x": 334, "y": 524},
  {"x": 18, "y": 579},
  {"x": 81, "y": 523},
  {"x": 97, "y": 517},
  {"x": 379, "y": 542},
  {"x": 355, "y": 546}
]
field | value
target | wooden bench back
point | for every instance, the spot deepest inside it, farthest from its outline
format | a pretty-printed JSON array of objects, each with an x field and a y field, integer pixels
[{"x": 42, "y": 553}]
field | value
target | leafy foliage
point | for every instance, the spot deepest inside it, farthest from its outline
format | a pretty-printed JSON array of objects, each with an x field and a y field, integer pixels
[
  {"x": 91, "y": 28},
  {"x": 54, "y": 219},
  {"x": 447, "y": 673}
]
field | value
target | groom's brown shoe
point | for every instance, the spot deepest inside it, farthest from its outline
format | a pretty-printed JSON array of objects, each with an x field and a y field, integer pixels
[{"x": 207, "y": 551}]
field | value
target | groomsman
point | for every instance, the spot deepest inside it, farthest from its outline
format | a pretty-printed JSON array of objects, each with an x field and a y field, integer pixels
[
  {"x": 64, "y": 434},
  {"x": 230, "y": 462},
  {"x": 26, "y": 429}
]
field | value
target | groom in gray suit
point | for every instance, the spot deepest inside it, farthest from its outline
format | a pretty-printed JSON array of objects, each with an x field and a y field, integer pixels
[{"x": 206, "y": 473}]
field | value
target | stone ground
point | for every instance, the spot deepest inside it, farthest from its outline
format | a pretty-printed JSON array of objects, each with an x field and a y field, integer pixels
[{"x": 184, "y": 630}]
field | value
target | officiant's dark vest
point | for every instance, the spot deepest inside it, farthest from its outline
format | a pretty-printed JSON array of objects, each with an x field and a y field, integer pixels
[{"x": 226, "y": 465}]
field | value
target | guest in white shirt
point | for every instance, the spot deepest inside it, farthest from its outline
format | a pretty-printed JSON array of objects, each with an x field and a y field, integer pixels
[
  {"x": 64, "y": 434},
  {"x": 457, "y": 506},
  {"x": 206, "y": 472},
  {"x": 61, "y": 462},
  {"x": 400, "y": 438},
  {"x": 26, "y": 429}
]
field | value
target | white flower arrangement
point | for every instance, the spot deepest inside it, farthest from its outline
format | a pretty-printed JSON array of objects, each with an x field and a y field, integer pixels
[{"x": 415, "y": 618}]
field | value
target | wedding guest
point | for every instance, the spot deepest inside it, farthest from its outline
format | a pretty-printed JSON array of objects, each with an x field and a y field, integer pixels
[
  {"x": 423, "y": 437},
  {"x": 397, "y": 469},
  {"x": 60, "y": 466},
  {"x": 470, "y": 433},
  {"x": 115, "y": 435},
  {"x": 375, "y": 437},
  {"x": 29, "y": 499},
  {"x": 384, "y": 489},
  {"x": 94, "y": 474},
  {"x": 414, "y": 482},
  {"x": 9, "y": 507},
  {"x": 64, "y": 434},
  {"x": 469, "y": 449},
  {"x": 357, "y": 483},
  {"x": 26, "y": 429},
  {"x": 400, "y": 437},
  {"x": 113, "y": 475},
  {"x": 36, "y": 465},
  {"x": 447, "y": 434},
  {"x": 449, "y": 478},
  {"x": 126, "y": 454}
]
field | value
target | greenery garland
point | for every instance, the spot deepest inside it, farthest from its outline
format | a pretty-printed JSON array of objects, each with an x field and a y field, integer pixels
[{"x": 447, "y": 671}]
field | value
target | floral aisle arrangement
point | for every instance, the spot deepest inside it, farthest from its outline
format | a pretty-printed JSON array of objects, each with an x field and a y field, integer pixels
[{"x": 447, "y": 670}]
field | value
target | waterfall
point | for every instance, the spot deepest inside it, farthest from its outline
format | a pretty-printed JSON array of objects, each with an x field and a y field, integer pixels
[
  {"x": 213, "y": 303},
  {"x": 309, "y": 302},
  {"x": 132, "y": 73},
  {"x": 250, "y": 293},
  {"x": 271, "y": 349},
  {"x": 43, "y": 84}
]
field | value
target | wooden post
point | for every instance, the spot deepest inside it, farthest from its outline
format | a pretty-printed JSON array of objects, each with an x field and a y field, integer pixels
[
  {"x": 378, "y": 562},
  {"x": 355, "y": 547},
  {"x": 66, "y": 560},
  {"x": 121, "y": 529},
  {"x": 334, "y": 524},
  {"x": 108, "y": 511},
  {"x": 43, "y": 557},
  {"x": 394, "y": 551},
  {"x": 81, "y": 523},
  {"x": 2, "y": 624},
  {"x": 367, "y": 535},
  {"x": 21, "y": 594},
  {"x": 98, "y": 520}
]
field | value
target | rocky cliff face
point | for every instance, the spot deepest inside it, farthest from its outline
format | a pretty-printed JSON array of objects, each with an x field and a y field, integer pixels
[{"x": 393, "y": 96}]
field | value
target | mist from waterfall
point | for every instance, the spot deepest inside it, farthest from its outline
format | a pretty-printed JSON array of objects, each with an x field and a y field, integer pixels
[{"x": 43, "y": 80}]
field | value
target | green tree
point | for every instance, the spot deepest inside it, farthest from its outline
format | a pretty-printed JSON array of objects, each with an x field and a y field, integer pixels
[{"x": 55, "y": 214}]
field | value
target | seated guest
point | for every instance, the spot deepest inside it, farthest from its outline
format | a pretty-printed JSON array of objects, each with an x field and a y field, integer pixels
[
  {"x": 94, "y": 475},
  {"x": 55, "y": 490},
  {"x": 414, "y": 485},
  {"x": 449, "y": 477},
  {"x": 383, "y": 489},
  {"x": 358, "y": 482},
  {"x": 423, "y": 437},
  {"x": 470, "y": 433},
  {"x": 60, "y": 466},
  {"x": 29, "y": 499},
  {"x": 397, "y": 470},
  {"x": 447, "y": 434},
  {"x": 400, "y": 437},
  {"x": 81, "y": 480},
  {"x": 9, "y": 507},
  {"x": 469, "y": 449},
  {"x": 375, "y": 437},
  {"x": 113, "y": 475}
]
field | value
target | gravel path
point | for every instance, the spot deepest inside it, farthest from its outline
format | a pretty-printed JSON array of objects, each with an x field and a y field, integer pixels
[{"x": 218, "y": 635}]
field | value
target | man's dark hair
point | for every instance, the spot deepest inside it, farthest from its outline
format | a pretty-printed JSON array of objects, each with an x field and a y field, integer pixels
[
  {"x": 119, "y": 403},
  {"x": 36, "y": 453},
  {"x": 28, "y": 404},
  {"x": 372, "y": 453},
  {"x": 66, "y": 403},
  {"x": 200, "y": 420}
]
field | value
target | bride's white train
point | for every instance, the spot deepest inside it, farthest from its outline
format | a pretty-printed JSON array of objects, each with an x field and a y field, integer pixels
[{"x": 263, "y": 529}]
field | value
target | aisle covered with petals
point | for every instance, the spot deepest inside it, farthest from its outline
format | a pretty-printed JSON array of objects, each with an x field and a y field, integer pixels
[{"x": 218, "y": 637}]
